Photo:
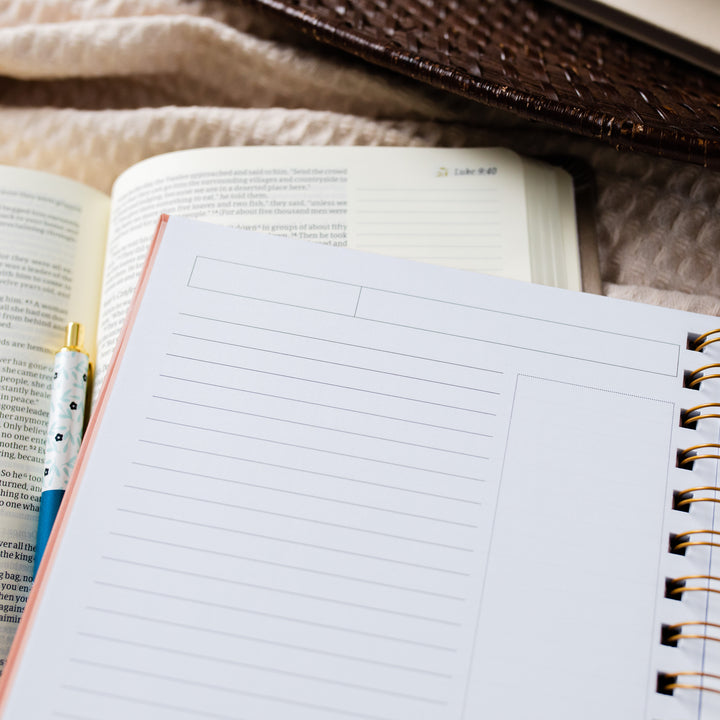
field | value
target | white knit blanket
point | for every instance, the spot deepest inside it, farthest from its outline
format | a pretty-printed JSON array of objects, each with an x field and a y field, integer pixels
[{"x": 91, "y": 86}]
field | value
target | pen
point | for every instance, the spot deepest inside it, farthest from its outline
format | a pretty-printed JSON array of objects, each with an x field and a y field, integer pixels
[{"x": 65, "y": 429}]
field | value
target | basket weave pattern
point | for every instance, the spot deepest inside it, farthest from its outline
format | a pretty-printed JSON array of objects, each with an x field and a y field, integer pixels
[{"x": 534, "y": 59}]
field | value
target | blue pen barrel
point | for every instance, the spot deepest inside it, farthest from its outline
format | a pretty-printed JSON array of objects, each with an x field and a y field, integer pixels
[
  {"x": 49, "y": 505},
  {"x": 65, "y": 430}
]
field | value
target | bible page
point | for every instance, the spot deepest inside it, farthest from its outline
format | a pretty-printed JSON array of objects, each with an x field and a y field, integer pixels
[
  {"x": 51, "y": 254},
  {"x": 462, "y": 208},
  {"x": 327, "y": 484}
]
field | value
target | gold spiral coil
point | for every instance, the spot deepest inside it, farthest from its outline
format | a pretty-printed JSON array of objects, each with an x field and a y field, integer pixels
[
  {"x": 673, "y": 633},
  {"x": 688, "y": 418},
  {"x": 685, "y": 498},
  {"x": 686, "y": 456},
  {"x": 702, "y": 341},
  {"x": 676, "y": 586},
  {"x": 667, "y": 682},
  {"x": 678, "y": 543},
  {"x": 696, "y": 377}
]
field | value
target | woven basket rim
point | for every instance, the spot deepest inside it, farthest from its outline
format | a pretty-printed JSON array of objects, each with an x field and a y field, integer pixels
[{"x": 698, "y": 143}]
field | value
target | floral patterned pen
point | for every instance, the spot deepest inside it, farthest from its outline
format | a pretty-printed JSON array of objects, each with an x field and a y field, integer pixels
[{"x": 65, "y": 429}]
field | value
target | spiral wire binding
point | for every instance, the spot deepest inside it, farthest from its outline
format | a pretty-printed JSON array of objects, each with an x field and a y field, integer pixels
[
  {"x": 686, "y": 497},
  {"x": 702, "y": 341},
  {"x": 676, "y": 588},
  {"x": 668, "y": 683},
  {"x": 692, "y": 415},
  {"x": 689, "y": 455},
  {"x": 673, "y": 633},
  {"x": 696, "y": 377},
  {"x": 678, "y": 545}
]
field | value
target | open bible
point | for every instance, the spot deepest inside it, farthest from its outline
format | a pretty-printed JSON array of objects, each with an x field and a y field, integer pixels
[{"x": 71, "y": 253}]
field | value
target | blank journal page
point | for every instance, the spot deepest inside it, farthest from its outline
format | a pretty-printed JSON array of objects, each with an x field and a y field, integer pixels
[{"x": 326, "y": 484}]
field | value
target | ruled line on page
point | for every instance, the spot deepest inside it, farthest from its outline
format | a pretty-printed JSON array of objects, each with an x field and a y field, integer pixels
[
  {"x": 205, "y": 602},
  {"x": 480, "y": 206},
  {"x": 265, "y": 588},
  {"x": 194, "y": 712},
  {"x": 481, "y": 196},
  {"x": 262, "y": 668},
  {"x": 426, "y": 208},
  {"x": 455, "y": 236},
  {"x": 329, "y": 407},
  {"x": 211, "y": 526},
  {"x": 336, "y": 364},
  {"x": 354, "y": 578},
  {"x": 304, "y": 470},
  {"x": 446, "y": 206},
  {"x": 271, "y": 538},
  {"x": 262, "y": 560},
  {"x": 311, "y": 472},
  {"x": 267, "y": 641},
  {"x": 316, "y": 449},
  {"x": 243, "y": 508},
  {"x": 322, "y": 498},
  {"x": 335, "y": 341},
  {"x": 230, "y": 690},
  {"x": 285, "y": 491},
  {"x": 472, "y": 192},
  {"x": 416, "y": 256},
  {"x": 322, "y": 427},
  {"x": 167, "y": 706},
  {"x": 473, "y": 245},
  {"x": 238, "y": 531},
  {"x": 321, "y": 382},
  {"x": 425, "y": 223},
  {"x": 394, "y": 212}
]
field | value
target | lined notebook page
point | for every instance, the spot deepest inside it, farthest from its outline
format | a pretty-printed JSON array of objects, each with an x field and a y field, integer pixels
[
  {"x": 404, "y": 219},
  {"x": 332, "y": 485}
]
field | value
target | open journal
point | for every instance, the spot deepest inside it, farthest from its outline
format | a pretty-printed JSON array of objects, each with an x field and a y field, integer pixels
[
  {"x": 70, "y": 253},
  {"x": 327, "y": 484}
]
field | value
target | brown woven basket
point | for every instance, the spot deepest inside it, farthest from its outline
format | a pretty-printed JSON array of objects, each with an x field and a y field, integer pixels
[{"x": 534, "y": 59}]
